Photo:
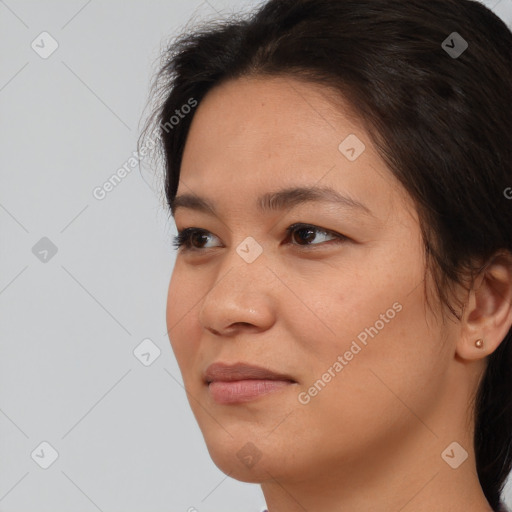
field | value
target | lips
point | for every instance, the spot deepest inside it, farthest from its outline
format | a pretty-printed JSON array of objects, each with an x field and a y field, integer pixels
[
  {"x": 241, "y": 371},
  {"x": 240, "y": 383}
]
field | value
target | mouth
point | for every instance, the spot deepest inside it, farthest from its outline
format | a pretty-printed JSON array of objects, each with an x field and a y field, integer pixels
[{"x": 241, "y": 382}]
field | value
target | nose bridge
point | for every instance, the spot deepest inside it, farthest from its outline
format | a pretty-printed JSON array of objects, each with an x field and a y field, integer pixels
[
  {"x": 243, "y": 291},
  {"x": 245, "y": 264}
]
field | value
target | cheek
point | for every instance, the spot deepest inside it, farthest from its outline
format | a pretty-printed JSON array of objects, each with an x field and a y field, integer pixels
[
  {"x": 384, "y": 385},
  {"x": 385, "y": 352},
  {"x": 371, "y": 295},
  {"x": 182, "y": 329},
  {"x": 379, "y": 324}
]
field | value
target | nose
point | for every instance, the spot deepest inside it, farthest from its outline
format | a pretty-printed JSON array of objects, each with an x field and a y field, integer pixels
[{"x": 244, "y": 297}]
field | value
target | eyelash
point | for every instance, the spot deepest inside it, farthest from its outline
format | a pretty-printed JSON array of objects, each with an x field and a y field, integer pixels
[{"x": 183, "y": 238}]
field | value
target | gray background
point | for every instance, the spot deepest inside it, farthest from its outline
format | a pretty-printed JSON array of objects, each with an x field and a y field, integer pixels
[{"x": 70, "y": 321}]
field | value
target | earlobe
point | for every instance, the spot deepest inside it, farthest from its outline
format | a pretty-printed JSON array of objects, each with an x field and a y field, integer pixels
[{"x": 488, "y": 314}]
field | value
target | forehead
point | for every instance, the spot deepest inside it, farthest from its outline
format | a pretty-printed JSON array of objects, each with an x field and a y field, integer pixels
[
  {"x": 266, "y": 113},
  {"x": 253, "y": 135}
]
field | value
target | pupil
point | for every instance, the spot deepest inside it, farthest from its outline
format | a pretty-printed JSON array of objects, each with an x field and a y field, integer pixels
[
  {"x": 310, "y": 236},
  {"x": 198, "y": 236}
]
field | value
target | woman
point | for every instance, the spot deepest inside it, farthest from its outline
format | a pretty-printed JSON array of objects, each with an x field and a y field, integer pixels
[{"x": 340, "y": 306}]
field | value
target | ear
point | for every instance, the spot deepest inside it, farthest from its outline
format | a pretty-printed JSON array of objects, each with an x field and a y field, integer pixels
[{"x": 488, "y": 312}]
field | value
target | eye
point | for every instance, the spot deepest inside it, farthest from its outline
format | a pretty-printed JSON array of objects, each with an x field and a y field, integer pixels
[
  {"x": 187, "y": 238},
  {"x": 307, "y": 233}
]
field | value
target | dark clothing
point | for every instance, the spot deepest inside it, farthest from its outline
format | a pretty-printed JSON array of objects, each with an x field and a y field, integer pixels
[{"x": 501, "y": 508}]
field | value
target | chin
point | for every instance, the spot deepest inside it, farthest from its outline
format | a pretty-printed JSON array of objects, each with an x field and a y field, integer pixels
[
  {"x": 244, "y": 471},
  {"x": 241, "y": 458}
]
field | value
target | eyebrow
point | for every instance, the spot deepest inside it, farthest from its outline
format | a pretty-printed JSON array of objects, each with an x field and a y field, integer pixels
[{"x": 275, "y": 201}]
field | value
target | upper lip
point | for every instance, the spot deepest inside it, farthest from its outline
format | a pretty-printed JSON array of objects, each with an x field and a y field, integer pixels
[{"x": 241, "y": 371}]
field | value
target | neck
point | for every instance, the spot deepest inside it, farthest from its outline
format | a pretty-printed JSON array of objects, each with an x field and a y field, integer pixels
[{"x": 408, "y": 476}]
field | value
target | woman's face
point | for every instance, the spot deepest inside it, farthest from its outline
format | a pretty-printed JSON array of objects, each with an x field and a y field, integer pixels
[{"x": 340, "y": 308}]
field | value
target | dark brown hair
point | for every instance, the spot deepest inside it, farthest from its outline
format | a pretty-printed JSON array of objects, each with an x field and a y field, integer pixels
[{"x": 443, "y": 124}]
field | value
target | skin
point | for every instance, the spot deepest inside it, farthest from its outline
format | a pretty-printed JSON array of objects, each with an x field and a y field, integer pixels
[{"x": 372, "y": 438}]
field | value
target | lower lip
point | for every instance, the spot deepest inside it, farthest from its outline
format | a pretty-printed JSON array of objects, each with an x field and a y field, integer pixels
[{"x": 239, "y": 391}]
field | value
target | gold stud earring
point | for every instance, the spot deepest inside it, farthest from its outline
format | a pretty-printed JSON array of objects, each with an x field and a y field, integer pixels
[{"x": 479, "y": 343}]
